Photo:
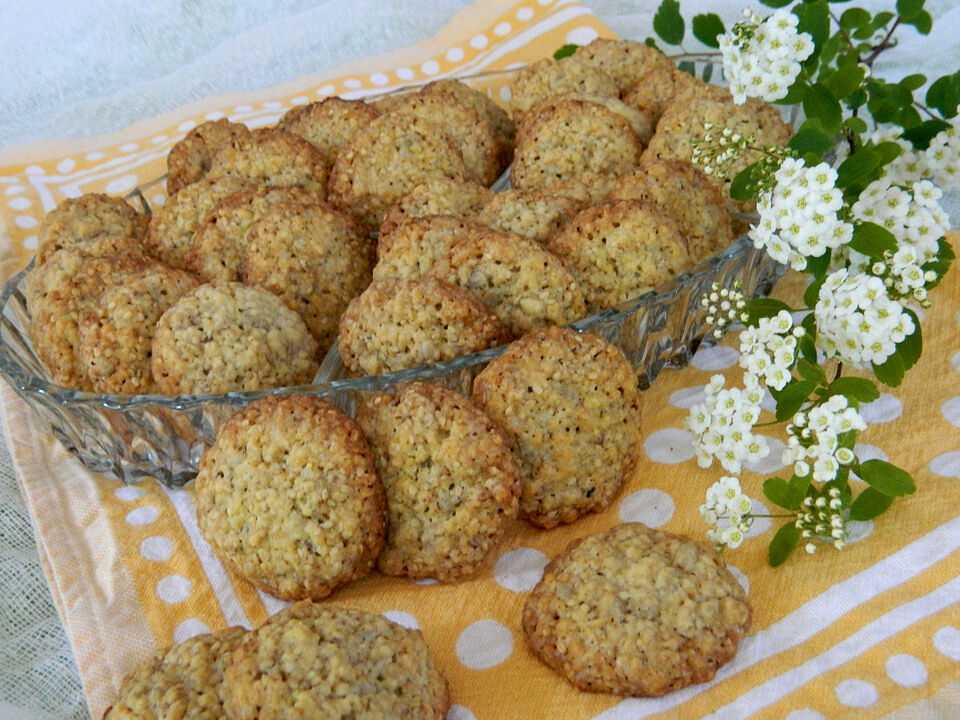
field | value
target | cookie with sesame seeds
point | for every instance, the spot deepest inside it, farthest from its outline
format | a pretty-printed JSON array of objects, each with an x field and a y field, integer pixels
[
  {"x": 271, "y": 156},
  {"x": 189, "y": 160},
  {"x": 622, "y": 60},
  {"x": 409, "y": 250},
  {"x": 437, "y": 196},
  {"x": 588, "y": 188},
  {"x": 494, "y": 114},
  {"x": 535, "y": 214},
  {"x": 548, "y": 77},
  {"x": 639, "y": 123},
  {"x": 329, "y": 124},
  {"x": 651, "y": 92}
]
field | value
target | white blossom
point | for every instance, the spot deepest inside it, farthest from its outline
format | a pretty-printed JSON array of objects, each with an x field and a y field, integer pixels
[
  {"x": 726, "y": 505},
  {"x": 814, "y": 438},
  {"x": 942, "y": 158},
  {"x": 768, "y": 350},
  {"x": 822, "y": 518},
  {"x": 723, "y": 425}
]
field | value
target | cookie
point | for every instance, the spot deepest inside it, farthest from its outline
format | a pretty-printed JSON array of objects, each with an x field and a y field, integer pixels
[
  {"x": 323, "y": 661},
  {"x": 525, "y": 286},
  {"x": 635, "y": 611},
  {"x": 269, "y": 156},
  {"x": 311, "y": 257},
  {"x": 116, "y": 334},
  {"x": 548, "y": 77},
  {"x": 288, "y": 497},
  {"x": 451, "y": 482},
  {"x": 219, "y": 242},
  {"x": 329, "y": 124},
  {"x": 570, "y": 404},
  {"x": 189, "y": 160},
  {"x": 172, "y": 228},
  {"x": 94, "y": 223},
  {"x": 399, "y": 324},
  {"x": 535, "y": 214},
  {"x": 438, "y": 196},
  {"x": 387, "y": 160},
  {"x": 652, "y": 91},
  {"x": 183, "y": 681},
  {"x": 588, "y": 188},
  {"x": 638, "y": 122},
  {"x": 624, "y": 61},
  {"x": 408, "y": 251},
  {"x": 494, "y": 114},
  {"x": 684, "y": 194},
  {"x": 228, "y": 337},
  {"x": 621, "y": 249}
]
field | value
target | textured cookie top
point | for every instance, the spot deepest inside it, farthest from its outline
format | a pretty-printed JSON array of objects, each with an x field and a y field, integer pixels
[
  {"x": 684, "y": 194},
  {"x": 189, "y": 160},
  {"x": 570, "y": 404},
  {"x": 549, "y": 77},
  {"x": 322, "y": 661},
  {"x": 437, "y": 196},
  {"x": 466, "y": 95},
  {"x": 588, "y": 188},
  {"x": 535, "y": 214},
  {"x": 99, "y": 224},
  {"x": 184, "y": 681},
  {"x": 450, "y": 480},
  {"x": 409, "y": 250},
  {"x": 228, "y": 337},
  {"x": 311, "y": 257},
  {"x": 639, "y": 123},
  {"x": 623, "y": 60},
  {"x": 635, "y": 611},
  {"x": 329, "y": 124},
  {"x": 218, "y": 243},
  {"x": 652, "y": 91},
  {"x": 527, "y": 287},
  {"x": 116, "y": 334},
  {"x": 387, "y": 160},
  {"x": 289, "y": 497},
  {"x": 621, "y": 249},
  {"x": 399, "y": 324},
  {"x": 269, "y": 156},
  {"x": 172, "y": 228}
]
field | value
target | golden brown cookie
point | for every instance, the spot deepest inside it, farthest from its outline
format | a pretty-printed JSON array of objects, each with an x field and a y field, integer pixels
[
  {"x": 569, "y": 402},
  {"x": 625, "y": 61},
  {"x": 588, "y": 188},
  {"x": 635, "y": 611},
  {"x": 409, "y": 250},
  {"x": 450, "y": 480},
  {"x": 535, "y": 214},
  {"x": 526, "y": 287},
  {"x": 311, "y": 257},
  {"x": 94, "y": 224},
  {"x": 189, "y": 160},
  {"x": 329, "y": 124},
  {"x": 315, "y": 661},
  {"x": 438, "y": 196},
  {"x": 621, "y": 249},
  {"x": 652, "y": 91},
  {"x": 116, "y": 334},
  {"x": 180, "y": 682},
  {"x": 269, "y": 156},
  {"x": 399, "y": 324},
  {"x": 289, "y": 498},
  {"x": 228, "y": 337},
  {"x": 639, "y": 122},
  {"x": 466, "y": 95},
  {"x": 549, "y": 77}
]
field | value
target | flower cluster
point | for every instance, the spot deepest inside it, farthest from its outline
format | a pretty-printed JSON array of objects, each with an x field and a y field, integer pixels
[
  {"x": 724, "y": 306},
  {"x": 821, "y": 517},
  {"x": 940, "y": 162},
  {"x": 798, "y": 217},
  {"x": 912, "y": 213},
  {"x": 814, "y": 439},
  {"x": 769, "y": 350},
  {"x": 723, "y": 424},
  {"x": 942, "y": 158},
  {"x": 761, "y": 58},
  {"x": 857, "y": 321},
  {"x": 726, "y": 502}
]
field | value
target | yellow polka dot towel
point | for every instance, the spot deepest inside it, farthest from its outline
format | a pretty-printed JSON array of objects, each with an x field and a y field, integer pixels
[{"x": 871, "y": 632}]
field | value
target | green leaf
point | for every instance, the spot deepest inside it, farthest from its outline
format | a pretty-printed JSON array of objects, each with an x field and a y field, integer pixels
[
  {"x": 763, "y": 308},
  {"x": 872, "y": 240},
  {"x": 911, "y": 347},
  {"x": 869, "y": 504},
  {"x": 889, "y": 151},
  {"x": 565, "y": 51},
  {"x": 807, "y": 348},
  {"x": 810, "y": 137},
  {"x": 784, "y": 494},
  {"x": 941, "y": 265},
  {"x": 818, "y": 266},
  {"x": 707, "y": 72},
  {"x": 688, "y": 67},
  {"x": 857, "y": 125},
  {"x": 908, "y": 9},
  {"x": 707, "y": 27},
  {"x": 792, "y": 397},
  {"x": 909, "y": 117},
  {"x": 920, "y": 135},
  {"x": 820, "y": 103},
  {"x": 814, "y": 18},
  {"x": 944, "y": 95},
  {"x": 744, "y": 185},
  {"x": 913, "y": 82},
  {"x": 854, "y": 18},
  {"x": 860, "y": 389},
  {"x": 668, "y": 23},
  {"x": 776, "y": 3},
  {"x": 858, "y": 168},
  {"x": 811, "y": 371},
  {"x": 886, "y": 478},
  {"x": 923, "y": 22},
  {"x": 783, "y": 544},
  {"x": 890, "y": 372},
  {"x": 845, "y": 81},
  {"x": 812, "y": 293}
]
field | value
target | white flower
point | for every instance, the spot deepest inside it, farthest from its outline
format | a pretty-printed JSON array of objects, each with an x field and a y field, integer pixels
[
  {"x": 726, "y": 505},
  {"x": 814, "y": 439},
  {"x": 723, "y": 424},
  {"x": 768, "y": 351},
  {"x": 942, "y": 158}
]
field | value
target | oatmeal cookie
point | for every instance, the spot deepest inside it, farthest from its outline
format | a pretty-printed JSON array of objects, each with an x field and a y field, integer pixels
[
  {"x": 438, "y": 196},
  {"x": 450, "y": 479},
  {"x": 588, "y": 188},
  {"x": 494, "y": 114},
  {"x": 94, "y": 223},
  {"x": 321, "y": 661},
  {"x": 189, "y": 160},
  {"x": 526, "y": 287},
  {"x": 398, "y": 324},
  {"x": 549, "y": 77},
  {"x": 635, "y": 611},
  {"x": 269, "y": 156},
  {"x": 183, "y": 681},
  {"x": 651, "y": 93},
  {"x": 570, "y": 403},
  {"x": 621, "y": 249},
  {"x": 639, "y": 122},
  {"x": 228, "y": 337},
  {"x": 329, "y": 124},
  {"x": 622, "y": 60},
  {"x": 535, "y": 214},
  {"x": 311, "y": 257},
  {"x": 289, "y": 498},
  {"x": 408, "y": 251}
]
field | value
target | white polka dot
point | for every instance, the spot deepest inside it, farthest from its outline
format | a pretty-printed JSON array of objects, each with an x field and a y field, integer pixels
[
  {"x": 158, "y": 139},
  {"x": 868, "y": 452},
  {"x": 506, "y": 93},
  {"x": 405, "y": 73},
  {"x": 741, "y": 577},
  {"x": 946, "y": 465},
  {"x": 502, "y": 29},
  {"x": 158, "y": 199},
  {"x": 669, "y": 446},
  {"x": 717, "y": 357},
  {"x": 459, "y": 712},
  {"x": 686, "y": 398},
  {"x": 34, "y": 170},
  {"x": 520, "y": 570},
  {"x": 649, "y": 506},
  {"x": 173, "y": 589},
  {"x": 142, "y": 515},
  {"x": 19, "y": 203},
  {"x": 884, "y": 409},
  {"x": 951, "y": 411},
  {"x": 805, "y": 714},
  {"x": 455, "y": 54},
  {"x": 25, "y": 221},
  {"x": 424, "y": 582},
  {"x": 121, "y": 184},
  {"x": 772, "y": 462},
  {"x": 187, "y": 126},
  {"x": 274, "y": 105},
  {"x": 95, "y": 156},
  {"x": 215, "y": 115},
  {"x": 30, "y": 243},
  {"x": 300, "y": 100},
  {"x": 857, "y": 530},
  {"x": 524, "y": 14},
  {"x": 352, "y": 83},
  {"x": 65, "y": 166},
  {"x": 581, "y": 36},
  {"x": 14, "y": 190},
  {"x": 484, "y": 644},
  {"x": 379, "y": 78},
  {"x": 430, "y": 67},
  {"x": 128, "y": 493},
  {"x": 326, "y": 90},
  {"x": 128, "y": 148},
  {"x": 947, "y": 642},
  {"x": 191, "y": 627},
  {"x": 761, "y": 524},
  {"x": 955, "y": 361},
  {"x": 156, "y": 548},
  {"x": 906, "y": 670},
  {"x": 856, "y": 693},
  {"x": 478, "y": 41},
  {"x": 402, "y": 618}
]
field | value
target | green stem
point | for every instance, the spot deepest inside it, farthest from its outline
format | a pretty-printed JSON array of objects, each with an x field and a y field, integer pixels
[
  {"x": 694, "y": 56},
  {"x": 843, "y": 32},
  {"x": 882, "y": 45},
  {"x": 928, "y": 111}
]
